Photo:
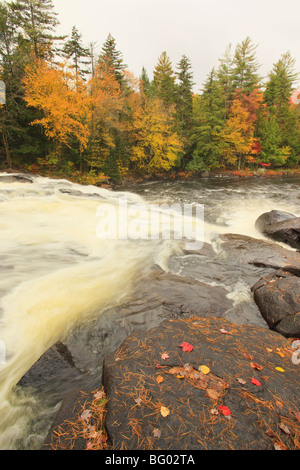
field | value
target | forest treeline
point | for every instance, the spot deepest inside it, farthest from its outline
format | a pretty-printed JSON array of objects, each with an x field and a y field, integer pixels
[{"x": 85, "y": 115}]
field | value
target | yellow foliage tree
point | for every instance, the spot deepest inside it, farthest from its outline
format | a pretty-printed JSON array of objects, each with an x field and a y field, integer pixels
[
  {"x": 157, "y": 146},
  {"x": 64, "y": 103},
  {"x": 238, "y": 135}
]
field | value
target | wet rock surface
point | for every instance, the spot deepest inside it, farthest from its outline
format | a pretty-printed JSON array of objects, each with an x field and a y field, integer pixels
[
  {"x": 280, "y": 226},
  {"x": 157, "y": 403},
  {"x": 258, "y": 252},
  {"x": 278, "y": 299}
]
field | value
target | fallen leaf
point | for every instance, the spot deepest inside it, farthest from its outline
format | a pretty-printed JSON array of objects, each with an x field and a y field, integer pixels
[
  {"x": 269, "y": 350},
  {"x": 99, "y": 395},
  {"x": 85, "y": 416},
  {"x": 280, "y": 369},
  {"x": 223, "y": 331},
  {"x": 178, "y": 371},
  {"x": 284, "y": 428},
  {"x": 224, "y": 410},
  {"x": 241, "y": 381},
  {"x": 214, "y": 411},
  {"x": 248, "y": 356},
  {"x": 138, "y": 401},
  {"x": 279, "y": 446},
  {"x": 165, "y": 356},
  {"x": 270, "y": 432},
  {"x": 256, "y": 366},
  {"x": 186, "y": 346},
  {"x": 255, "y": 382},
  {"x": 156, "y": 433},
  {"x": 164, "y": 411},
  {"x": 280, "y": 353},
  {"x": 180, "y": 376},
  {"x": 279, "y": 404},
  {"x": 204, "y": 369},
  {"x": 159, "y": 379},
  {"x": 212, "y": 393}
]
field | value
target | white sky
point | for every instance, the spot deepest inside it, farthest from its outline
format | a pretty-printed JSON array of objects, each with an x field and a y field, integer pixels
[{"x": 201, "y": 29}]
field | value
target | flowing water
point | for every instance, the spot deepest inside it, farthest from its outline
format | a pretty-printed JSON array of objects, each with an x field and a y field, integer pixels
[{"x": 57, "y": 273}]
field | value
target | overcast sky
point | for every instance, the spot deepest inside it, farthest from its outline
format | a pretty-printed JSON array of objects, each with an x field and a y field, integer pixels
[{"x": 200, "y": 29}]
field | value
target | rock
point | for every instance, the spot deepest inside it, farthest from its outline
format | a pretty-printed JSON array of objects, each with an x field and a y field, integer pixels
[
  {"x": 278, "y": 298},
  {"x": 156, "y": 403},
  {"x": 280, "y": 226},
  {"x": 287, "y": 231},
  {"x": 15, "y": 178},
  {"x": 55, "y": 366},
  {"x": 270, "y": 218},
  {"x": 250, "y": 250}
]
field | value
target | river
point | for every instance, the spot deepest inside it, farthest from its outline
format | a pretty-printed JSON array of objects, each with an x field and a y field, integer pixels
[{"x": 58, "y": 273}]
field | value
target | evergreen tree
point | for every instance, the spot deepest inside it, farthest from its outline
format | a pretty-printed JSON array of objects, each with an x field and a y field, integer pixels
[
  {"x": 278, "y": 92},
  {"x": 209, "y": 116},
  {"x": 144, "y": 82},
  {"x": 74, "y": 50},
  {"x": 224, "y": 75},
  {"x": 38, "y": 20},
  {"x": 245, "y": 67},
  {"x": 164, "y": 80},
  {"x": 184, "y": 94},
  {"x": 113, "y": 59}
]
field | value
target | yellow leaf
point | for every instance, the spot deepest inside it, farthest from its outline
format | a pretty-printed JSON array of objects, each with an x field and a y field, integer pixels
[
  {"x": 280, "y": 353},
  {"x": 204, "y": 369},
  {"x": 180, "y": 376},
  {"x": 164, "y": 411},
  {"x": 280, "y": 369},
  {"x": 269, "y": 350}
]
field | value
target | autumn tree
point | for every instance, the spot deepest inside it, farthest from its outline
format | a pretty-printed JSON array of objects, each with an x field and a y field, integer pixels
[
  {"x": 156, "y": 147},
  {"x": 238, "y": 136},
  {"x": 64, "y": 106}
]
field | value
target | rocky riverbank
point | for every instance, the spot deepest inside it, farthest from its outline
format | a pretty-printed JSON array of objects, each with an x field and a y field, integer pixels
[{"x": 201, "y": 373}]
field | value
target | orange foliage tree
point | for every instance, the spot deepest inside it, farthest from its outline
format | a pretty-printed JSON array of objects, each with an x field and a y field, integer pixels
[{"x": 64, "y": 103}]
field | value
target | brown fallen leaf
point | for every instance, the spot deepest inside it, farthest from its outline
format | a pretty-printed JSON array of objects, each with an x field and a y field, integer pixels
[
  {"x": 284, "y": 428},
  {"x": 159, "y": 379},
  {"x": 270, "y": 432},
  {"x": 212, "y": 393},
  {"x": 156, "y": 433},
  {"x": 279, "y": 446},
  {"x": 241, "y": 381},
  {"x": 138, "y": 401},
  {"x": 248, "y": 356},
  {"x": 254, "y": 365},
  {"x": 214, "y": 411},
  {"x": 297, "y": 415}
]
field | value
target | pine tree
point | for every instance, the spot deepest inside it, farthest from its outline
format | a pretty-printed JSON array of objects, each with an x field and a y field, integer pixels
[
  {"x": 113, "y": 59},
  {"x": 245, "y": 67},
  {"x": 184, "y": 94},
  {"x": 74, "y": 50},
  {"x": 164, "y": 80},
  {"x": 144, "y": 82},
  {"x": 277, "y": 95},
  {"x": 38, "y": 21},
  {"x": 209, "y": 117},
  {"x": 224, "y": 75}
]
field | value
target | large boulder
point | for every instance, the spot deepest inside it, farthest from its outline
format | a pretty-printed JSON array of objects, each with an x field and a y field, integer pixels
[
  {"x": 287, "y": 231},
  {"x": 280, "y": 226},
  {"x": 159, "y": 396},
  {"x": 272, "y": 217},
  {"x": 278, "y": 298}
]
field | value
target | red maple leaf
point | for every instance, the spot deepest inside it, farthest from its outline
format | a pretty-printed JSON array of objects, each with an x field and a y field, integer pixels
[
  {"x": 255, "y": 382},
  {"x": 224, "y": 410},
  {"x": 186, "y": 346}
]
